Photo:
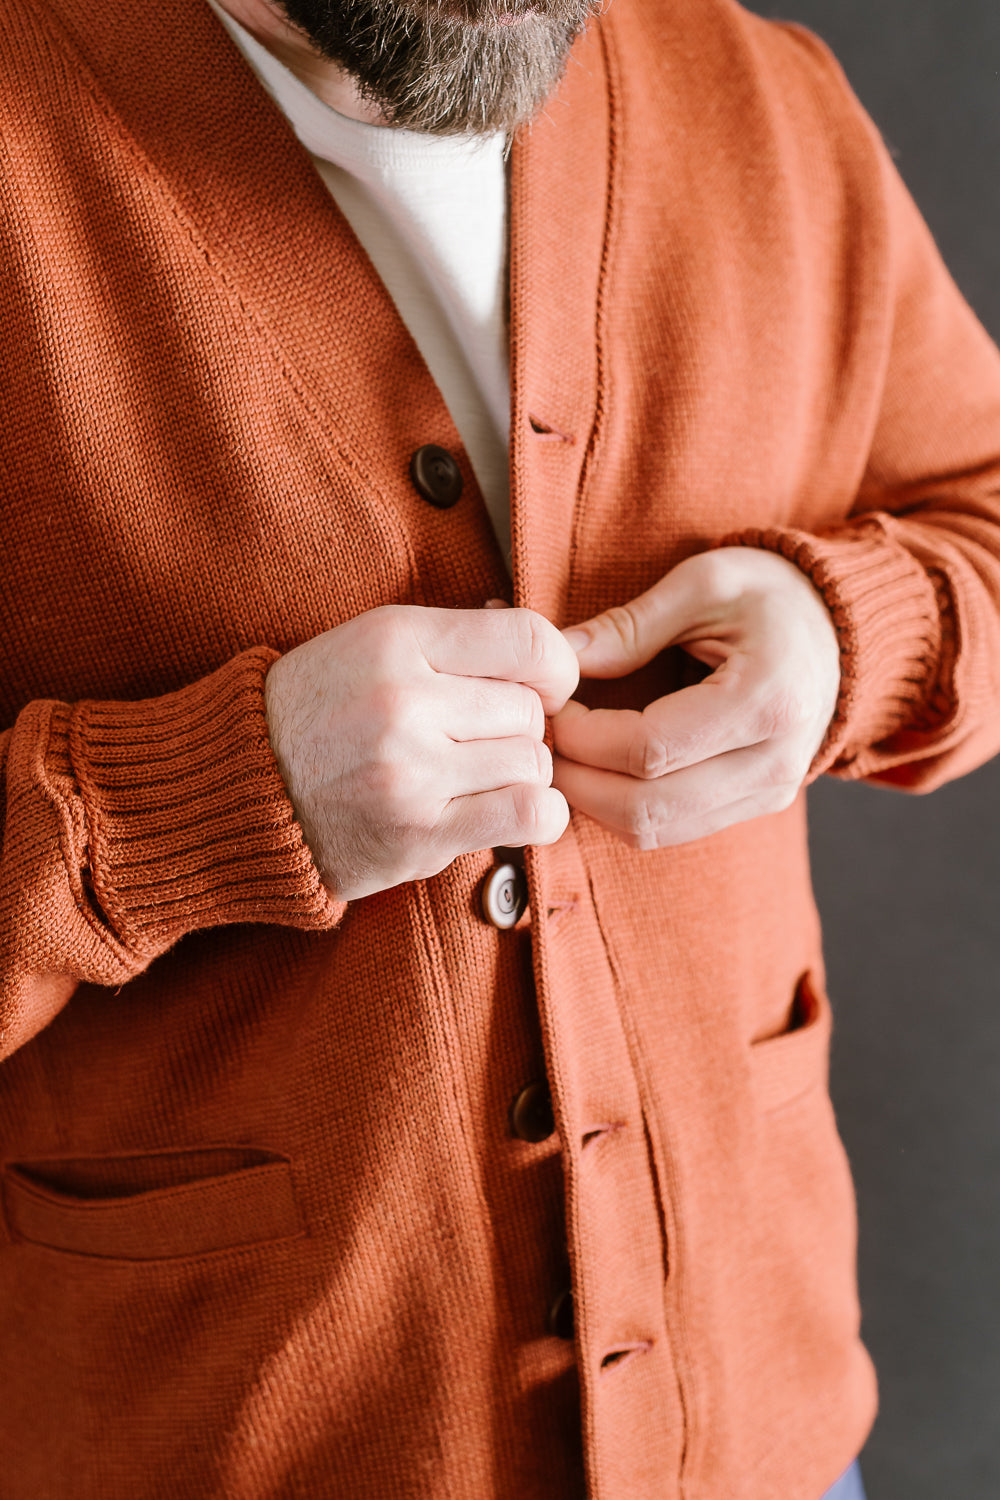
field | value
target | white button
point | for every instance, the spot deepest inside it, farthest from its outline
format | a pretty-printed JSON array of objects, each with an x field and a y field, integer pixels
[{"x": 505, "y": 895}]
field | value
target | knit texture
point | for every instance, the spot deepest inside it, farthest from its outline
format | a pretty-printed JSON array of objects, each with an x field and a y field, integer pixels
[{"x": 266, "y": 1229}]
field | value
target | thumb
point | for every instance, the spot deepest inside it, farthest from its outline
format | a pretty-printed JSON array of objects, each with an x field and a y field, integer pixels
[{"x": 625, "y": 638}]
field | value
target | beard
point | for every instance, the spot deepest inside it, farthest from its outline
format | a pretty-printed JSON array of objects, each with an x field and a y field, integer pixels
[{"x": 457, "y": 67}]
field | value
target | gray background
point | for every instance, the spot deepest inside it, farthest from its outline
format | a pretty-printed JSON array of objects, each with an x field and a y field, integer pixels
[{"x": 909, "y": 887}]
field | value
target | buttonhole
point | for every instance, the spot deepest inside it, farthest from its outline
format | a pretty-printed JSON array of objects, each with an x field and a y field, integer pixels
[
  {"x": 597, "y": 1131},
  {"x": 557, "y": 908},
  {"x": 623, "y": 1352},
  {"x": 546, "y": 430}
]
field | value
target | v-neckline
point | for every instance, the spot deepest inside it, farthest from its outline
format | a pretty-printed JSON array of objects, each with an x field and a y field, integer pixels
[{"x": 201, "y": 125}]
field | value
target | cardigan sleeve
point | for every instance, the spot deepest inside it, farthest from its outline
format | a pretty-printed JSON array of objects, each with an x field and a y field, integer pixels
[
  {"x": 128, "y": 825},
  {"x": 912, "y": 576}
]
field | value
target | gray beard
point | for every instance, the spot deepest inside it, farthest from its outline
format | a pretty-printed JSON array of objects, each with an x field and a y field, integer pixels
[{"x": 452, "y": 68}]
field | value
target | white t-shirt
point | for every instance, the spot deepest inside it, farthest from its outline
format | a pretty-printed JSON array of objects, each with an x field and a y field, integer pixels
[{"x": 431, "y": 213}]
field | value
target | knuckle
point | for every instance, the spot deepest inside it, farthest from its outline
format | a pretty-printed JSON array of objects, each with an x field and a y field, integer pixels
[
  {"x": 531, "y": 634},
  {"x": 622, "y": 621},
  {"x": 535, "y": 714},
  {"x": 782, "y": 797},
  {"x": 763, "y": 804},
  {"x": 528, "y": 810},
  {"x": 648, "y": 755},
  {"x": 383, "y": 616},
  {"x": 390, "y": 706},
  {"x": 543, "y": 762},
  {"x": 786, "y": 770},
  {"x": 389, "y": 784},
  {"x": 774, "y": 798},
  {"x": 780, "y": 712},
  {"x": 556, "y": 816},
  {"x": 642, "y": 821},
  {"x": 723, "y": 572},
  {"x": 420, "y": 840},
  {"x": 426, "y": 865},
  {"x": 386, "y": 624}
]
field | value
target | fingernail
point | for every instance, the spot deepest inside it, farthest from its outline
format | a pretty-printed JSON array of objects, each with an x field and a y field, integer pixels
[{"x": 578, "y": 639}]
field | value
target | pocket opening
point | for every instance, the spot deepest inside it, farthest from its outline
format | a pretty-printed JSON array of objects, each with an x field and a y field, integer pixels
[
  {"x": 156, "y": 1206},
  {"x": 785, "y": 1067}
]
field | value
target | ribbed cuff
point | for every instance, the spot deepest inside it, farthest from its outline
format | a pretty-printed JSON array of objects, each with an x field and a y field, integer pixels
[
  {"x": 888, "y": 620},
  {"x": 188, "y": 821}
]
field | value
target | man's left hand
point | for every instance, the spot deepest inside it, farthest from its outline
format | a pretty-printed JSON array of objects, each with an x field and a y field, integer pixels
[{"x": 736, "y": 745}]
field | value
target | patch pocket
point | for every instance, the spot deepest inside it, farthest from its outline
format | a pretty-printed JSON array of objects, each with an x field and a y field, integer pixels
[
  {"x": 160, "y": 1205},
  {"x": 785, "y": 1067}
]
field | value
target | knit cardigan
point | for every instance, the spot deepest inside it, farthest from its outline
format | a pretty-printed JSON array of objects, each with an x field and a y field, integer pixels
[{"x": 267, "y": 1231}]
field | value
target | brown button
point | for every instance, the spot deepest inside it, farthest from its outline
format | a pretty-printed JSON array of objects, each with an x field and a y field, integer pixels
[
  {"x": 560, "y": 1318},
  {"x": 436, "y": 476},
  {"x": 531, "y": 1117},
  {"x": 505, "y": 895}
]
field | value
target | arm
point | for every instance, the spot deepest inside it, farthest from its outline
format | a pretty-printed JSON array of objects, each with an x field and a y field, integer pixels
[
  {"x": 128, "y": 825},
  {"x": 912, "y": 578},
  {"x": 888, "y": 666}
]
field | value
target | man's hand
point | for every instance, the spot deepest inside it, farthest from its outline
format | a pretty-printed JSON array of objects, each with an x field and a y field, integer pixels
[
  {"x": 409, "y": 736},
  {"x": 736, "y": 745}
]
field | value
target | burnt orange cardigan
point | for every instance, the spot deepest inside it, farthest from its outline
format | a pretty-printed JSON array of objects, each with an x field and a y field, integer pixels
[{"x": 267, "y": 1231}]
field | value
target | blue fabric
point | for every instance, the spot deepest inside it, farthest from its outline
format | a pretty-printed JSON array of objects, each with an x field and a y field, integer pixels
[{"x": 848, "y": 1486}]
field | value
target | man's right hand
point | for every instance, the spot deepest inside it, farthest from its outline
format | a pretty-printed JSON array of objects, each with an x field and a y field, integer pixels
[{"x": 409, "y": 736}]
